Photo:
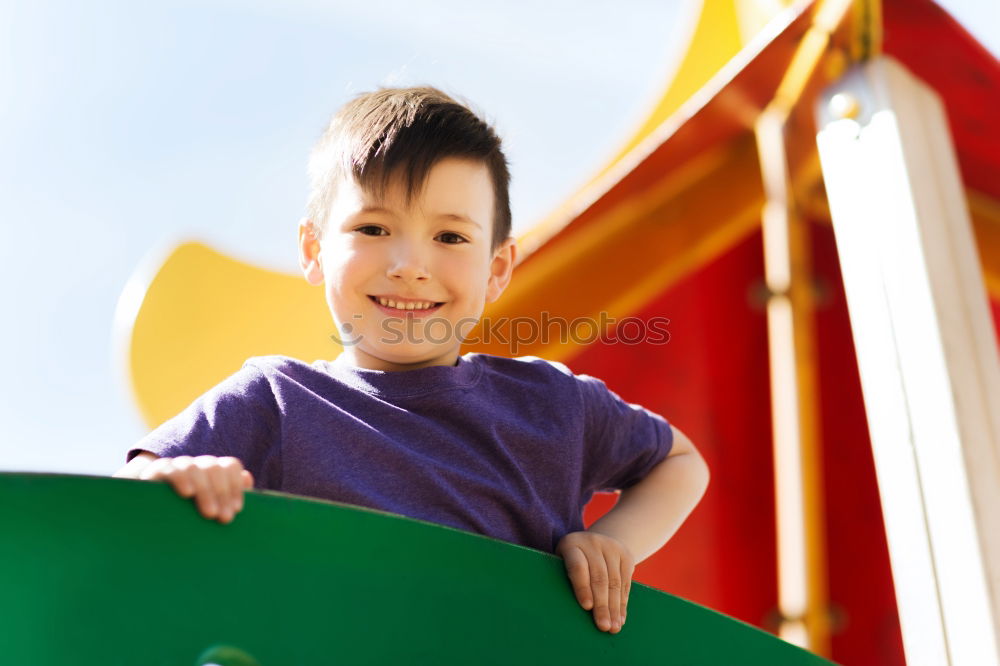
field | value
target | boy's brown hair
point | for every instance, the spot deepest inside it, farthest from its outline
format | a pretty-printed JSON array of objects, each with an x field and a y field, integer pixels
[{"x": 405, "y": 132}]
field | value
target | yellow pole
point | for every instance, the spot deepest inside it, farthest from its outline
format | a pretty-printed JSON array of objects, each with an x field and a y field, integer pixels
[
  {"x": 802, "y": 576},
  {"x": 802, "y": 572}
]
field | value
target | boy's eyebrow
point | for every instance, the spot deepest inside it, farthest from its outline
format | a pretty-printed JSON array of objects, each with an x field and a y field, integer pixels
[{"x": 375, "y": 209}]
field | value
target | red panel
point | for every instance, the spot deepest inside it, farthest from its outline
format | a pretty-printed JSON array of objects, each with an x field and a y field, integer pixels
[
  {"x": 711, "y": 380},
  {"x": 937, "y": 49}
]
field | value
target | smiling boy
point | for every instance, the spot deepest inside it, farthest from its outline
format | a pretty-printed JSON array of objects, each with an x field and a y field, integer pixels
[
  {"x": 409, "y": 232},
  {"x": 406, "y": 279}
]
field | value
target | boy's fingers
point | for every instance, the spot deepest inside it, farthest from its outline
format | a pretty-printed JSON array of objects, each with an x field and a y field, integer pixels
[
  {"x": 173, "y": 471},
  {"x": 219, "y": 480},
  {"x": 205, "y": 497},
  {"x": 242, "y": 485},
  {"x": 156, "y": 470},
  {"x": 627, "y": 570},
  {"x": 599, "y": 588},
  {"x": 178, "y": 473},
  {"x": 216, "y": 484},
  {"x": 236, "y": 489},
  {"x": 182, "y": 483},
  {"x": 613, "y": 564},
  {"x": 236, "y": 478},
  {"x": 579, "y": 576},
  {"x": 234, "y": 484}
]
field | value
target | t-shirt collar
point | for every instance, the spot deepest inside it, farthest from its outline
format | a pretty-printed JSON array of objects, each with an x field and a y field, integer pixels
[{"x": 433, "y": 378}]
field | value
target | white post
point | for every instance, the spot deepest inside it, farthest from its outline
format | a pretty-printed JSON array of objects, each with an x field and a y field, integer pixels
[{"x": 927, "y": 353}]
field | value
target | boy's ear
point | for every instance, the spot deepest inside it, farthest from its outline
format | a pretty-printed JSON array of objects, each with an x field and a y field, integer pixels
[
  {"x": 500, "y": 269},
  {"x": 309, "y": 252}
]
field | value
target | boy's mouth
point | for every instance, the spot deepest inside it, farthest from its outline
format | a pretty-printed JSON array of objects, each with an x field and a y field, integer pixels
[{"x": 400, "y": 307}]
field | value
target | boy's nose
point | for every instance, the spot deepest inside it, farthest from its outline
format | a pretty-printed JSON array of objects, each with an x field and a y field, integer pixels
[{"x": 408, "y": 266}]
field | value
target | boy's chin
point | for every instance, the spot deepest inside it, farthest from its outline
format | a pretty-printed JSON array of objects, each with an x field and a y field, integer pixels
[{"x": 414, "y": 356}]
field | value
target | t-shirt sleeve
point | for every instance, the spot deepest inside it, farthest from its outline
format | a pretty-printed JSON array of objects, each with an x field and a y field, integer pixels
[
  {"x": 238, "y": 417},
  {"x": 623, "y": 441}
]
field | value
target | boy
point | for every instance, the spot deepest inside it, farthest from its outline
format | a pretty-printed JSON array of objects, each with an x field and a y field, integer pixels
[{"x": 409, "y": 231}]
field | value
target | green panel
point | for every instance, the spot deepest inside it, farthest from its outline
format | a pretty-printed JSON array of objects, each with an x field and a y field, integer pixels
[{"x": 97, "y": 570}]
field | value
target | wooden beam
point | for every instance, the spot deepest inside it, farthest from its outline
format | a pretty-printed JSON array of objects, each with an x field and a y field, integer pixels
[{"x": 927, "y": 354}]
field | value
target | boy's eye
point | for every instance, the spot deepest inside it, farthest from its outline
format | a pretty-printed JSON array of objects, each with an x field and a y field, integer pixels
[
  {"x": 372, "y": 230},
  {"x": 451, "y": 238}
]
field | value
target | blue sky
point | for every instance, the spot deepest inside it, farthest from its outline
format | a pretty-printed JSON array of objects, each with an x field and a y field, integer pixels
[{"x": 125, "y": 127}]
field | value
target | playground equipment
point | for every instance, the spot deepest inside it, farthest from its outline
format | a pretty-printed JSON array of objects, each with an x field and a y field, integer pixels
[
  {"x": 832, "y": 340},
  {"x": 116, "y": 571}
]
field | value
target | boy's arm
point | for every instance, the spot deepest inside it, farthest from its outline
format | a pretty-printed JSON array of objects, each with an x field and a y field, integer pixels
[
  {"x": 651, "y": 511},
  {"x": 601, "y": 559}
]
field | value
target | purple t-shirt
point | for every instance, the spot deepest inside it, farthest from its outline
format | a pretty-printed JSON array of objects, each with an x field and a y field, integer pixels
[{"x": 509, "y": 448}]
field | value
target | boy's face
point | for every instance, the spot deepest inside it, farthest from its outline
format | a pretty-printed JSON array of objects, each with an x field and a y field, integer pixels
[{"x": 406, "y": 283}]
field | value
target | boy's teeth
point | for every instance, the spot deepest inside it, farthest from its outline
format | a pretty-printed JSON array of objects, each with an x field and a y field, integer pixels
[{"x": 404, "y": 305}]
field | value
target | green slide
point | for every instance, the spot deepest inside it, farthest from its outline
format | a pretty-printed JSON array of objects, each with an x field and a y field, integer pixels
[{"x": 96, "y": 570}]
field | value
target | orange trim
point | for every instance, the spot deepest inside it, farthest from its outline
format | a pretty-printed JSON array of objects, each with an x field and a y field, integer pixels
[{"x": 985, "y": 213}]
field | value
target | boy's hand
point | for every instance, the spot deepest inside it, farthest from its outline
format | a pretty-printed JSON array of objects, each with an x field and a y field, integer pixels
[
  {"x": 600, "y": 570},
  {"x": 217, "y": 484}
]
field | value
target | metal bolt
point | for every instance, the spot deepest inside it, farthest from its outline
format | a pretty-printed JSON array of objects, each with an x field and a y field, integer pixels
[{"x": 844, "y": 105}]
